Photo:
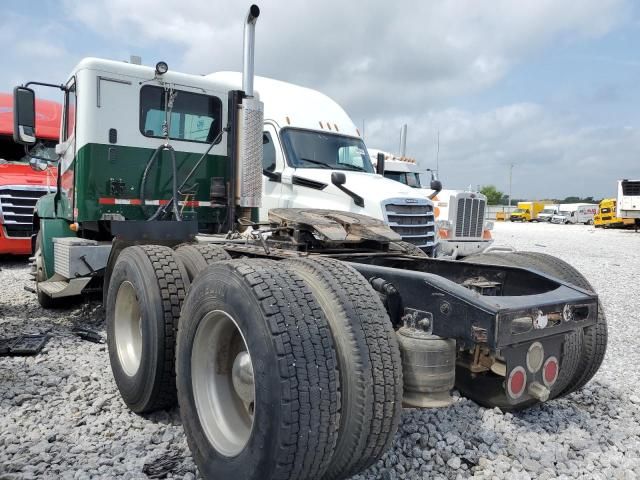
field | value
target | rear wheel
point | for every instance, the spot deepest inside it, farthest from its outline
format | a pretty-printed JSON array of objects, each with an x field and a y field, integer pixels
[
  {"x": 369, "y": 361},
  {"x": 257, "y": 375},
  {"x": 146, "y": 290},
  {"x": 197, "y": 257}
]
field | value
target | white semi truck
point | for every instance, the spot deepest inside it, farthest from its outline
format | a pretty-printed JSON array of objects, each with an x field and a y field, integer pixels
[
  {"x": 461, "y": 215},
  {"x": 314, "y": 157}
]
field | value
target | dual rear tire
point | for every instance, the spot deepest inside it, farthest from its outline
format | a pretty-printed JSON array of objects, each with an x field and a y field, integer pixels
[{"x": 283, "y": 369}]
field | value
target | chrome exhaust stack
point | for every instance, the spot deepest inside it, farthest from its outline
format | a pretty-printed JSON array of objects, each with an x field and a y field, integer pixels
[
  {"x": 250, "y": 123},
  {"x": 249, "y": 49}
]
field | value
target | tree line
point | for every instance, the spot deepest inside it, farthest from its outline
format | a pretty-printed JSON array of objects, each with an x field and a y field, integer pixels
[{"x": 496, "y": 197}]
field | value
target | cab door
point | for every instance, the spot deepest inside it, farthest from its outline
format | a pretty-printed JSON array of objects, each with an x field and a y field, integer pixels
[{"x": 272, "y": 166}]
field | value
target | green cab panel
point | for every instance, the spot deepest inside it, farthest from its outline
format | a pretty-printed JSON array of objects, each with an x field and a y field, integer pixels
[
  {"x": 50, "y": 229},
  {"x": 104, "y": 172}
]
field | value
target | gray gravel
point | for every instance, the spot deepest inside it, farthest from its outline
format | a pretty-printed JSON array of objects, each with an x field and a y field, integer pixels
[{"x": 61, "y": 415}]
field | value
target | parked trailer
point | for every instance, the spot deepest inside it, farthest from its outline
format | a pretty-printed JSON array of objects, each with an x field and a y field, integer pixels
[
  {"x": 628, "y": 204},
  {"x": 290, "y": 346}
]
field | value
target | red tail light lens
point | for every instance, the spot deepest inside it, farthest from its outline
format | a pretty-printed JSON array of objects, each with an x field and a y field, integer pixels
[
  {"x": 550, "y": 371},
  {"x": 516, "y": 382}
]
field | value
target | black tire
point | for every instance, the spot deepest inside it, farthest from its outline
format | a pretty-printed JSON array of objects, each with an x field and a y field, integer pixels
[
  {"x": 369, "y": 361},
  {"x": 44, "y": 300},
  {"x": 159, "y": 283},
  {"x": 198, "y": 256},
  {"x": 571, "y": 350},
  {"x": 594, "y": 344},
  {"x": 297, "y": 400},
  {"x": 408, "y": 248}
]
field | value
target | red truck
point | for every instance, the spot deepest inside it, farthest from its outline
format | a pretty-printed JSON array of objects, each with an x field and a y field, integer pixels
[{"x": 20, "y": 185}]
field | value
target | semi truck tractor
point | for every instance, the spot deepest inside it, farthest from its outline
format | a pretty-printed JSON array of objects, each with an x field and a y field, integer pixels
[
  {"x": 21, "y": 186},
  {"x": 314, "y": 156},
  {"x": 290, "y": 345},
  {"x": 461, "y": 216}
]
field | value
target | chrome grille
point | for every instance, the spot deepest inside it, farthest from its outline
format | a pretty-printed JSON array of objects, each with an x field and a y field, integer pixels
[
  {"x": 17, "y": 204},
  {"x": 470, "y": 217},
  {"x": 414, "y": 222}
]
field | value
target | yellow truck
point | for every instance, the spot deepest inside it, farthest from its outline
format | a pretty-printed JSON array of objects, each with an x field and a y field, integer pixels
[
  {"x": 606, "y": 216},
  {"x": 527, "y": 212}
]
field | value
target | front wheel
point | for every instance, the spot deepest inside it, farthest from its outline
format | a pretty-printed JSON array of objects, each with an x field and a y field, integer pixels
[
  {"x": 257, "y": 375},
  {"x": 44, "y": 300}
]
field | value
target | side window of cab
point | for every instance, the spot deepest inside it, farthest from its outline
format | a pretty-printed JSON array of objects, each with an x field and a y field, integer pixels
[
  {"x": 268, "y": 153},
  {"x": 69, "y": 126}
]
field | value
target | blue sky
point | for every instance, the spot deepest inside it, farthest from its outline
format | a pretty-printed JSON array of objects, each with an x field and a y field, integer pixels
[{"x": 550, "y": 86}]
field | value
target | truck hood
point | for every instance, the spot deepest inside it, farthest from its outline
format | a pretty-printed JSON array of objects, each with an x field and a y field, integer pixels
[
  {"x": 22, "y": 174},
  {"x": 370, "y": 186}
]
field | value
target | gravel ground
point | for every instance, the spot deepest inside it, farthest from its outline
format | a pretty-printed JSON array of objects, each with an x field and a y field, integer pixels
[{"x": 61, "y": 415}]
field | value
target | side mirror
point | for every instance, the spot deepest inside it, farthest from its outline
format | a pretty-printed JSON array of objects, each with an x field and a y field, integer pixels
[
  {"x": 380, "y": 165},
  {"x": 38, "y": 164},
  {"x": 338, "y": 178},
  {"x": 436, "y": 185},
  {"x": 24, "y": 116}
]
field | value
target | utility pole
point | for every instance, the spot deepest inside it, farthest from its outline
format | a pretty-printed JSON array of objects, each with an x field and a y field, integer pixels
[{"x": 510, "y": 178}]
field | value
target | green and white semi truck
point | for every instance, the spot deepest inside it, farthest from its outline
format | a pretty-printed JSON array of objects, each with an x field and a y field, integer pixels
[{"x": 290, "y": 345}]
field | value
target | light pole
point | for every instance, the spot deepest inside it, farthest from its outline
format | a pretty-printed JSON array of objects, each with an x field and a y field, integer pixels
[{"x": 510, "y": 178}]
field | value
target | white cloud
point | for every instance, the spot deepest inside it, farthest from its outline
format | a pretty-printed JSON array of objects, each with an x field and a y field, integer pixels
[{"x": 553, "y": 156}]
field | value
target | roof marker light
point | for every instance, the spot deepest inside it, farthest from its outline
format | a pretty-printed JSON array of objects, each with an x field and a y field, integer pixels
[{"x": 161, "y": 68}]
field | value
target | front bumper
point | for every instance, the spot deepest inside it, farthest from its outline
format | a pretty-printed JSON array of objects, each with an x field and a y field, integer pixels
[
  {"x": 14, "y": 245},
  {"x": 462, "y": 248}
]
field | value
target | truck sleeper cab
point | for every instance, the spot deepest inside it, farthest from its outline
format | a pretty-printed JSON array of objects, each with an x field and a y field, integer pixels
[{"x": 308, "y": 139}]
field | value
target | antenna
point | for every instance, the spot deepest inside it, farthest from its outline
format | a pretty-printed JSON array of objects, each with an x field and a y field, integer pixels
[{"x": 363, "y": 129}]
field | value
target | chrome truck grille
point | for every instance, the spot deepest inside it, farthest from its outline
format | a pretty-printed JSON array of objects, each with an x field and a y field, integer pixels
[
  {"x": 16, "y": 209},
  {"x": 414, "y": 221},
  {"x": 470, "y": 217}
]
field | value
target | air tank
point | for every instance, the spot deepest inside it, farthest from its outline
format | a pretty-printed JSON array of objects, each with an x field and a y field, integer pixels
[{"x": 428, "y": 365}]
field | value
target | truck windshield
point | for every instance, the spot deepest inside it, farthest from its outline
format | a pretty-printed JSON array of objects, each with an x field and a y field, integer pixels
[
  {"x": 548, "y": 210},
  {"x": 519, "y": 210},
  {"x": 309, "y": 149},
  {"x": 11, "y": 152},
  {"x": 408, "y": 178}
]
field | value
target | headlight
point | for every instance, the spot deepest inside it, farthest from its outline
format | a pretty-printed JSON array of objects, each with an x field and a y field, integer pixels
[{"x": 443, "y": 225}]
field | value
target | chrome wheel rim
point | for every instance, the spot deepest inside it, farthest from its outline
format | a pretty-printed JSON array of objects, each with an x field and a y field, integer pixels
[
  {"x": 223, "y": 383},
  {"x": 128, "y": 328}
]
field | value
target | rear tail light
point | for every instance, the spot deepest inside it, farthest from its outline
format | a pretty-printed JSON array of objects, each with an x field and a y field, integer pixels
[
  {"x": 550, "y": 371},
  {"x": 516, "y": 382},
  {"x": 535, "y": 357}
]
